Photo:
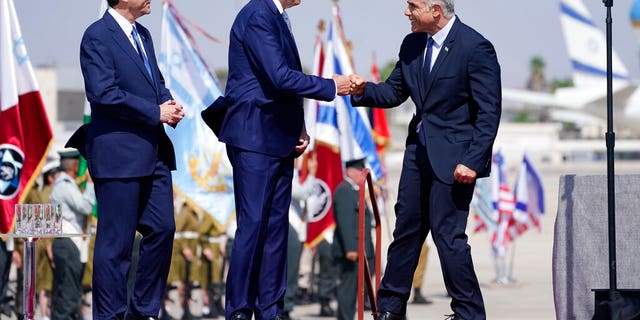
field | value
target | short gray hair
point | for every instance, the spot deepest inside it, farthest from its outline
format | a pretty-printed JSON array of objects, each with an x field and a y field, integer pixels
[{"x": 448, "y": 7}]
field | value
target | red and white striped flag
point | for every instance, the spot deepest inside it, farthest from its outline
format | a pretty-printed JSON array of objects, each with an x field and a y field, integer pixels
[
  {"x": 504, "y": 204},
  {"x": 25, "y": 133}
]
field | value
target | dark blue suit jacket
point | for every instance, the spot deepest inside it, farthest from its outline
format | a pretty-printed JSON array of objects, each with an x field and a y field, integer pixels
[
  {"x": 266, "y": 84},
  {"x": 124, "y": 138},
  {"x": 459, "y": 105}
]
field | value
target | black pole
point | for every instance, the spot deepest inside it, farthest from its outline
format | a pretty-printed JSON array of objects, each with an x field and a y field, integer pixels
[{"x": 610, "y": 140}]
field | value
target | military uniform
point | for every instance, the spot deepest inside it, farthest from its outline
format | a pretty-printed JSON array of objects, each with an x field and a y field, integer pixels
[
  {"x": 67, "y": 252},
  {"x": 187, "y": 226},
  {"x": 345, "y": 210},
  {"x": 211, "y": 238},
  {"x": 87, "y": 277}
]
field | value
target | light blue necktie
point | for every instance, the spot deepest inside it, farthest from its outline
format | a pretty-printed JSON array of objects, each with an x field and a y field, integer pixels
[
  {"x": 285, "y": 16},
  {"x": 143, "y": 56}
]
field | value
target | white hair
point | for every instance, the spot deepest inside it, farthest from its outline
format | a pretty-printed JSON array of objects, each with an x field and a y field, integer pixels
[{"x": 448, "y": 7}]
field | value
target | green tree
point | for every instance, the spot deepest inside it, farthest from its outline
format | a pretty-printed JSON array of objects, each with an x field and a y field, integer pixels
[{"x": 536, "y": 81}]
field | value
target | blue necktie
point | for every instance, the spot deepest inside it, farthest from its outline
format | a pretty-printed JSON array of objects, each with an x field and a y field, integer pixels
[
  {"x": 427, "y": 60},
  {"x": 285, "y": 16},
  {"x": 143, "y": 56}
]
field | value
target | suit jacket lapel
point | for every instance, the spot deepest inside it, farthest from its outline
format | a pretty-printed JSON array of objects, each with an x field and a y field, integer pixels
[
  {"x": 123, "y": 42},
  {"x": 284, "y": 30},
  {"x": 442, "y": 56},
  {"x": 292, "y": 42}
]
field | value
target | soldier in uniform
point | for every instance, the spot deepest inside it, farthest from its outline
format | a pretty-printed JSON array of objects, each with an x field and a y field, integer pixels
[
  {"x": 345, "y": 241},
  {"x": 69, "y": 254},
  {"x": 186, "y": 239},
  {"x": 43, "y": 254},
  {"x": 211, "y": 239},
  {"x": 87, "y": 277},
  {"x": 300, "y": 191}
]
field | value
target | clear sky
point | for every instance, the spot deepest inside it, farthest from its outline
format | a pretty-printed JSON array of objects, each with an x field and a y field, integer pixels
[{"x": 519, "y": 29}]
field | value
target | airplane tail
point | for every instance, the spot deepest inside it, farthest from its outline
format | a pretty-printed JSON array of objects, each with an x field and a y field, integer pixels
[{"x": 586, "y": 46}]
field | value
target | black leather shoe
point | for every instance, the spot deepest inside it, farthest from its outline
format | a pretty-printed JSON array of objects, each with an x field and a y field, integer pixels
[
  {"x": 453, "y": 316},
  {"x": 390, "y": 316},
  {"x": 326, "y": 310},
  {"x": 420, "y": 299}
]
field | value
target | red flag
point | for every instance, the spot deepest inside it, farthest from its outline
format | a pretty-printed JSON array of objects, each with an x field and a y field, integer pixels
[
  {"x": 381, "y": 134},
  {"x": 320, "y": 204},
  {"x": 25, "y": 133}
]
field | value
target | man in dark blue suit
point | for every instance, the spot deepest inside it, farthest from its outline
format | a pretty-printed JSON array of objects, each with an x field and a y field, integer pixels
[
  {"x": 264, "y": 130},
  {"x": 129, "y": 157},
  {"x": 452, "y": 75}
]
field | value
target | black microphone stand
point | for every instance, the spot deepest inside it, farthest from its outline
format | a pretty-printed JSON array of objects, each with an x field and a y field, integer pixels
[
  {"x": 610, "y": 137},
  {"x": 613, "y": 303}
]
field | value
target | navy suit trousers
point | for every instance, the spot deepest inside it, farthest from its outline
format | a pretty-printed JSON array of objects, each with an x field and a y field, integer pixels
[
  {"x": 427, "y": 204},
  {"x": 256, "y": 281},
  {"x": 144, "y": 204}
]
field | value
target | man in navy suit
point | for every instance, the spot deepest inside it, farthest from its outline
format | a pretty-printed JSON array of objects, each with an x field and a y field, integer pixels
[
  {"x": 452, "y": 75},
  {"x": 129, "y": 157},
  {"x": 264, "y": 130}
]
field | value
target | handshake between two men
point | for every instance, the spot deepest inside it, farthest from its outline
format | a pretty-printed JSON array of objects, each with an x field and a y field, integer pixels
[
  {"x": 171, "y": 113},
  {"x": 349, "y": 85}
]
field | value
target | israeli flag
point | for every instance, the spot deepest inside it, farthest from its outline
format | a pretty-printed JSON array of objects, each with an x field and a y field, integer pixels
[
  {"x": 338, "y": 121},
  {"x": 204, "y": 175}
]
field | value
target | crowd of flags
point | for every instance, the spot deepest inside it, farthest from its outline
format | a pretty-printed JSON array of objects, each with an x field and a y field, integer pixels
[{"x": 507, "y": 213}]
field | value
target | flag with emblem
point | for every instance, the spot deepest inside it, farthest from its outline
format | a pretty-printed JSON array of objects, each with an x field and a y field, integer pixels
[
  {"x": 323, "y": 131},
  {"x": 203, "y": 176},
  {"x": 25, "y": 133}
]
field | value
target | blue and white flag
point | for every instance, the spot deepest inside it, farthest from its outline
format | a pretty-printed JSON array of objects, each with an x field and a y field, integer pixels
[
  {"x": 339, "y": 120},
  {"x": 204, "y": 175}
]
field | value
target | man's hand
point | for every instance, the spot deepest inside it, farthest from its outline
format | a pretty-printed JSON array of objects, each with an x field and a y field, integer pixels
[
  {"x": 343, "y": 84},
  {"x": 208, "y": 253},
  {"x": 16, "y": 259},
  {"x": 464, "y": 174},
  {"x": 187, "y": 253},
  {"x": 352, "y": 255},
  {"x": 312, "y": 164},
  {"x": 171, "y": 113},
  {"x": 357, "y": 84},
  {"x": 303, "y": 142}
]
